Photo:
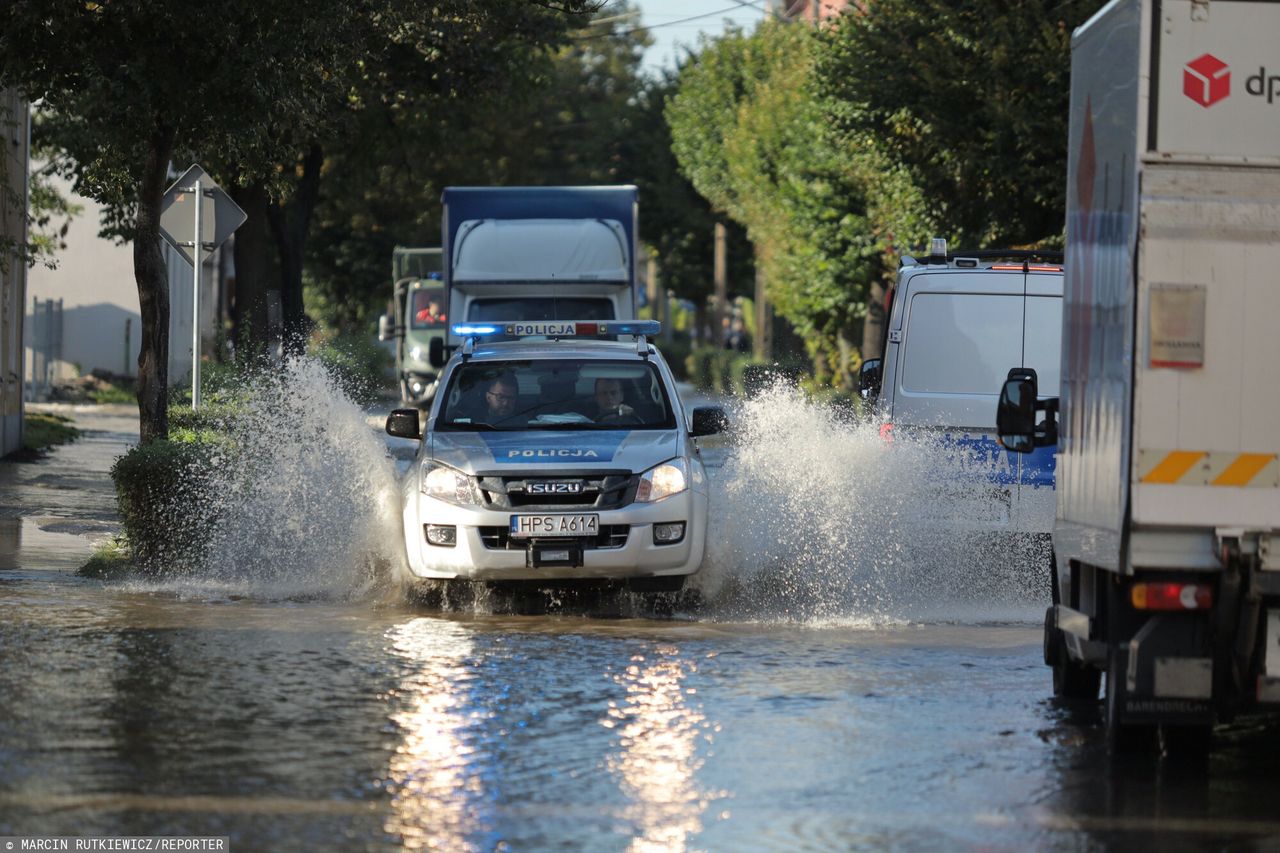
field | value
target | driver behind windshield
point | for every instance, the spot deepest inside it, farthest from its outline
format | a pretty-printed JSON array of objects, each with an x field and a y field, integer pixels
[{"x": 609, "y": 400}]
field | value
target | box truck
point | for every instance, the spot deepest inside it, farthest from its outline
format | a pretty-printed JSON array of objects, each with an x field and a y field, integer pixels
[
  {"x": 538, "y": 253},
  {"x": 1167, "y": 531}
]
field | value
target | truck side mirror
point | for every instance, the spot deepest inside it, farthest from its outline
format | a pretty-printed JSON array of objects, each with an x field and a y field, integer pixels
[
  {"x": 1016, "y": 414},
  {"x": 708, "y": 420},
  {"x": 869, "y": 378},
  {"x": 403, "y": 423},
  {"x": 435, "y": 352},
  {"x": 386, "y": 328}
]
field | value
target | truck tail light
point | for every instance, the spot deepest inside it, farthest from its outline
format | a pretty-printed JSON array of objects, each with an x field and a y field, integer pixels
[
  {"x": 886, "y": 433},
  {"x": 1164, "y": 595}
]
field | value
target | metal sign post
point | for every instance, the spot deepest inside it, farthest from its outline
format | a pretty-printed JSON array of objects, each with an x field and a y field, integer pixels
[
  {"x": 195, "y": 205},
  {"x": 198, "y": 245}
]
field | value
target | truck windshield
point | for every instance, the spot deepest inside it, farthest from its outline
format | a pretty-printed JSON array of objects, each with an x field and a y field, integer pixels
[
  {"x": 560, "y": 394},
  {"x": 534, "y": 308},
  {"x": 427, "y": 309}
]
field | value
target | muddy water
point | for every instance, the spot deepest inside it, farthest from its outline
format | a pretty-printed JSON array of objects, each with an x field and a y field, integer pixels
[{"x": 363, "y": 722}]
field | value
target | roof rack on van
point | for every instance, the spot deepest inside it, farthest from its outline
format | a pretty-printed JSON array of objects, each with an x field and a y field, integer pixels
[{"x": 1024, "y": 255}]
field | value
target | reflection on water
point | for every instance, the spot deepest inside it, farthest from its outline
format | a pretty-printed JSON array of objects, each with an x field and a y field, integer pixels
[
  {"x": 658, "y": 758},
  {"x": 434, "y": 792}
]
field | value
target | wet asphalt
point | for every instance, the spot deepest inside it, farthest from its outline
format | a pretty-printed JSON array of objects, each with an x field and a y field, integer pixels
[{"x": 370, "y": 722}]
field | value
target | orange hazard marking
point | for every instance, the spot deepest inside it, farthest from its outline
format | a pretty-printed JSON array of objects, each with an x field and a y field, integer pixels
[
  {"x": 1243, "y": 469},
  {"x": 1174, "y": 466}
]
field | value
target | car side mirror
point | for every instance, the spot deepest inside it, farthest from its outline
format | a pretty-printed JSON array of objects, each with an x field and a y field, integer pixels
[
  {"x": 708, "y": 420},
  {"x": 869, "y": 378},
  {"x": 435, "y": 352},
  {"x": 386, "y": 328},
  {"x": 403, "y": 423},
  {"x": 1016, "y": 414}
]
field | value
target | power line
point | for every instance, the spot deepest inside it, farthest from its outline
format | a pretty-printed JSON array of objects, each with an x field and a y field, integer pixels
[{"x": 738, "y": 5}]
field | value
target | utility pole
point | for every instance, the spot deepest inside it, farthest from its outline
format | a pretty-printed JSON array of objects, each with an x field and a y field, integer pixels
[
  {"x": 762, "y": 346},
  {"x": 720, "y": 277}
]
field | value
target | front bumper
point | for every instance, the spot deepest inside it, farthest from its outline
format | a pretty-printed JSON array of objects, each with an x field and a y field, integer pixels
[{"x": 471, "y": 559}]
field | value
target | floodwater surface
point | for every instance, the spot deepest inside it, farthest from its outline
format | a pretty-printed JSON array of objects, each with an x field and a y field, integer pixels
[{"x": 818, "y": 714}]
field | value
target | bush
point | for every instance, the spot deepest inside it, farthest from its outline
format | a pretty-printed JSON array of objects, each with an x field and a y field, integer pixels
[
  {"x": 160, "y": 491},
  {"x": 676, "y": 353},
  {"x": 358, "y": 364},
  {"x": 727, "y": 372}
]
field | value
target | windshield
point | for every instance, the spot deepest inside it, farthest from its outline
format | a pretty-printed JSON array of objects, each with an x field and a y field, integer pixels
[
  {"x": 512, "y": 309},
  {"x": 427, "y": 309},
  {"x": 561, "y": 394}
]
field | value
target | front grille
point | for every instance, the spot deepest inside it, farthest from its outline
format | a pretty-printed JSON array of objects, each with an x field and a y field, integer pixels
[
  {"x": 600, "y": 490},
  {"x": 611, "y": 536}
]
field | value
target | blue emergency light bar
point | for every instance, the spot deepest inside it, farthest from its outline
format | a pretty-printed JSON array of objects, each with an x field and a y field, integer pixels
[{"x": 560, "y": 329}]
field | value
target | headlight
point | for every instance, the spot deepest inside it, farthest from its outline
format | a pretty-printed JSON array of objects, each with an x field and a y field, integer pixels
[
  {"x": 662, "y": 481},
  {"x": 415, "y": 353},
  {"x": 446, "y": 484}
]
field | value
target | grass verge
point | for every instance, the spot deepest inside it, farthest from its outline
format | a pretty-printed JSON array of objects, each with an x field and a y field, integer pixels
[{"x": 111, "y": 560}]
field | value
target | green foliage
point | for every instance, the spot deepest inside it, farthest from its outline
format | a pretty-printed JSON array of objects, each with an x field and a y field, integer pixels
[
  {"x": 555, "y": 112},
  {"x": 969, "y": 101},
  {"x": 114, "y": 392},
  {"x": 159, "y": 486},
  {"x": 675, "y": 351},
  {"x": 724, "y": 371},
  {"x": 112, "y": 559},
  {"x": 754, "y": 139},
  {"x": 360, "y": 367},
  {"x": 42, "y": 430}
]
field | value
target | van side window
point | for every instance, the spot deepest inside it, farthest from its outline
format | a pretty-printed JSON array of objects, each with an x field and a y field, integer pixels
[{"x": 961, "y": 343}]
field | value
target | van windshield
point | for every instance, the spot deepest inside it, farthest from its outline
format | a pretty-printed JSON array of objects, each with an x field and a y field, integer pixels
[{"x": 559, "y": 394}]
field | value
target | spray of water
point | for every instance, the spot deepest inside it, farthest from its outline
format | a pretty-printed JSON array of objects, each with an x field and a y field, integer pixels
[
  {"x": 818, "y": 519},
  {"x": 303, "y": 503}
]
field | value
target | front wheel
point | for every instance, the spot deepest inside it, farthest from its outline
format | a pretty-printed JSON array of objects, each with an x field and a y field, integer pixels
[{"x": 669, "y": 583}]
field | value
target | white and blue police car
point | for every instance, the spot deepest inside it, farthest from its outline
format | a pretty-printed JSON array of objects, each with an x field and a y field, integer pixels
[{"x": 557, "y": 451}]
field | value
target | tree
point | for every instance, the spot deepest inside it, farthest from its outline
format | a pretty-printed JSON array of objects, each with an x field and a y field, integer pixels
[
  {"x": 127, "y": 87},
  {"x": 969, "y": 99},
  {"x": 752, "y": 136},
  {"x": 561, "y": 117}
]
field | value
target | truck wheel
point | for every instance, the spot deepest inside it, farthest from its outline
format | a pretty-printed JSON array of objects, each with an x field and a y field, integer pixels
[
  {"x": 1123, "y": 737},
  {"x": 1186, "y": 743},
  {"x": 669, "y": 583},
  {"x": 1071, "y": 680}
]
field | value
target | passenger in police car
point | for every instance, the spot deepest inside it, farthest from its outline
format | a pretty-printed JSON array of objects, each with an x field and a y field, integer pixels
[{"x": 500, "y": 397}]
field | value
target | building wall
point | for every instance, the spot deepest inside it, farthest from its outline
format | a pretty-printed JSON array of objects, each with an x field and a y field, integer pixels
[
  {"x": 101, "y": 320},
  {"x": 13, "y": 271}
]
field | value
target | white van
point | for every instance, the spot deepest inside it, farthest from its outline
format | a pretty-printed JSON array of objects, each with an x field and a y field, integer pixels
[{"x": 957, "y": 324}]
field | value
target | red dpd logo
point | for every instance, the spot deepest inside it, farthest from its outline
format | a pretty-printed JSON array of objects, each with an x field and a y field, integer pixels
[{"x": 1206, "y": 80}]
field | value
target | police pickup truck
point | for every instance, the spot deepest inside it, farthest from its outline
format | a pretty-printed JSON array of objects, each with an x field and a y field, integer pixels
[{"x": 557, "y": 451}]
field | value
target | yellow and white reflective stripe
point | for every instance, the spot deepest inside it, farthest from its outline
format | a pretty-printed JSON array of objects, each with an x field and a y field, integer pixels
[{"x": 1208, "y": 468}]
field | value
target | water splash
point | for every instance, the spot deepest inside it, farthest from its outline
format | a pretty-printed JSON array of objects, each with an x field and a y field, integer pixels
[
  {"x": 305, "y": 504},
  {"x": 817, "y": 519}
]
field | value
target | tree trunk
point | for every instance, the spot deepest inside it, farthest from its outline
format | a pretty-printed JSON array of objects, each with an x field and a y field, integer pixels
[
  {"x": 874, "y": 324},
  {"x": 254, "y": 274},
  {"x": 152, "y": 278},
  {"x": 290, "y": 223}
]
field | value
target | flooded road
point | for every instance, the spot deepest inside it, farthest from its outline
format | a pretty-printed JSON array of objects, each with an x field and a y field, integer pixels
[{"x": 361, "y": 721}]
